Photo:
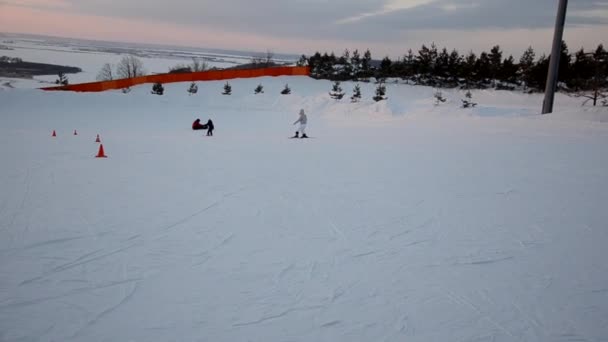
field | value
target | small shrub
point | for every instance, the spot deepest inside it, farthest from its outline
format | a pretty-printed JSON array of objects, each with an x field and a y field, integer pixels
[
  {"x": 61, "y": 79},
  {"x": 193, "y": 88},
  {"x": 259, "y": 89},
  {"x": 336, "y": 91},
  {"x": 439, "y": 98},
  {"x": 158, "y": 89},
  {"x": 356, "y": 94},
  {"x": 467, "y": 103},
  {"x": 227, "y": 89},
  {"x": 380, "y": 92}
]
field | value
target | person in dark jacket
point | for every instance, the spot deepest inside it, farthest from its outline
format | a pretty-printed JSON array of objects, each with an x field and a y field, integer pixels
[
  {"x": 210, "y": 127},
  {"x": 196, "y": 125}
]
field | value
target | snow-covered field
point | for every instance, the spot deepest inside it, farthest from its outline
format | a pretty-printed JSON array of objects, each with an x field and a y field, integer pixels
[
  {"x": 90, "y": 56},
  {"x": 397, "y": 221}
]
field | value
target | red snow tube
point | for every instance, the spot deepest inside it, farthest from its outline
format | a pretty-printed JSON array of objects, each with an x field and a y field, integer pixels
[{"x": 212, "y": 75}]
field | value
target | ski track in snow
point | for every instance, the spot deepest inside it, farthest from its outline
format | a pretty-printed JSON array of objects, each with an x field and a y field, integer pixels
[
  {"x": 71, "y": 293},
  {"x": 279, "y": 315},
  {"x": 106, "y": 312},
  {"x": 460, "y": 300},
  {"x": 90, "y": 257},
  {"x": 403, "y": 221}
]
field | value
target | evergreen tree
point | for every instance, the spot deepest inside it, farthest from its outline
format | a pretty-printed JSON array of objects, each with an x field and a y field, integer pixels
[
  {"x": 327, "y": 65},
  {"x": 345, "y": 58},
  {"x": 315, "y": 64},
  {"x": 227, "y": 89},
  {"x": 600, "y": 59},
  {"x": 508, "y": 71},
  {"x": 366, "y": 64},
  {"x": 599, "y": 54},
  {"x": 302, "y": 61},
  {"x": 526, "y": 63},
  {"x": 468, "y": 71},
  {"x": 259, "y": 89},
  {"x": 424, "y": 60},
  {"x": 286, "y": 90},
  {"x": 443, "y": 68},
  {"x": 565, "y": 61},
  {"x": 336, "y": 91},
  {"x": 332, "y": 61},
  {"x": 158, "y": 89},
  {"x": 582, "y": 69},
  {"x": 454, "y": 65},
  {"x": 193, "y": 88},
  {"x": 538, "y": 74},
  {"x": 380, "y": 92},
  {"x": 598, "y": 84},
  {"x": 409, "y": 65},
  {"x": 355, "y": 62},
  {"x": 346, "y": 72},
  {"x": 356, "y": 94},
  {"x": 385, "y": 67},
  {"x": 495, "y": 62},
  {"x": 442, "y": 64},
  {"x": 483, "y": 68}
]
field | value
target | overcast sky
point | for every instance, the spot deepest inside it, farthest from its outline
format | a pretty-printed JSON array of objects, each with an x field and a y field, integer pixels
[{"x": 386, "y": 27}]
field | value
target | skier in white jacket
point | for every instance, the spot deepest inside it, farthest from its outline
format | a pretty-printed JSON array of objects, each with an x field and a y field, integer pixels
[{"x": 302, "y": 120}]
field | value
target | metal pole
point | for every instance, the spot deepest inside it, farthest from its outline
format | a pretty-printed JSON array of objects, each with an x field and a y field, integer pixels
[{"x": 555, "y": 54}]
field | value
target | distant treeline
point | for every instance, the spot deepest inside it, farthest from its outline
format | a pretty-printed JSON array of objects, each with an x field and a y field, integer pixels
[
  {"x": 16, "y": 67},
  {"x": 442, "y": 68}
]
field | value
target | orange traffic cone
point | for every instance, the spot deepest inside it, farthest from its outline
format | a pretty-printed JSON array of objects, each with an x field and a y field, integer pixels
[
  {"x": 75, "y": 132},
  {"x": 54, "y": 134},
  {"x": 101, "y": 154},
  {"x": 98, "y": 140}
]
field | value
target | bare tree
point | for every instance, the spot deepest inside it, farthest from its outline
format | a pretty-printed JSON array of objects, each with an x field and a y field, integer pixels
[
  {"x": 257, "y": 61},
  {"x": 269, "y": 56},
  {"x": 264, "y": 60},
  {"x": 130, "y": 66},
  {"x": 198, "y": 65},
  {"x": 105, "y": 74}
]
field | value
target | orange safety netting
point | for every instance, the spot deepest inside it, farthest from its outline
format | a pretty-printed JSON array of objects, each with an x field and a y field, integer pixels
[{"x": 211, "y": 75}]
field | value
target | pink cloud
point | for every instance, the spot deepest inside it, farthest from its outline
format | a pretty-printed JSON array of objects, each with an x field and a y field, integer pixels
[
  {"x": 62, "y": 22},
  {"x": 22, "y": 19},
  {"x": 39, "y": 3}
]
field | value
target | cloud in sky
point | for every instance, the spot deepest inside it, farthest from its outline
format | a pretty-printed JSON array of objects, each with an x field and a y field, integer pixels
[
  {"x": 37, "y": 3},
  {"x": 388, "y": 7},
  {"x": 303, "y": 26}
]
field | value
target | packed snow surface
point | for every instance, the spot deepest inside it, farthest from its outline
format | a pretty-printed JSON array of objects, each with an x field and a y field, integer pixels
[{"x": 397, "y": 221}]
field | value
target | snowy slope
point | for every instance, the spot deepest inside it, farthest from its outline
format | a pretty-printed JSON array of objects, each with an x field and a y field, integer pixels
[{"x": 399, "y": 221}]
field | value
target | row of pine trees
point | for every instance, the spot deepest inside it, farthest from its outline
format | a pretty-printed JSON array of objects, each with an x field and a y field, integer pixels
[
  {"x": 159, "y": 89},
  {"x": 443, "y": 68}
]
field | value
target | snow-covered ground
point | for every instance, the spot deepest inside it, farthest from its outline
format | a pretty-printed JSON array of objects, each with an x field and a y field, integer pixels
[
  {"x": 396, "y": 221},
  {"x": 90, "y": 56}
]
